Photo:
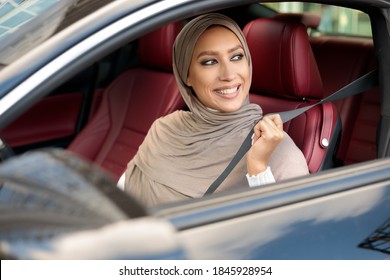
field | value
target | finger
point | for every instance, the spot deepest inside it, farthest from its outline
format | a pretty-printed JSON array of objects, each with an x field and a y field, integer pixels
[
  {"x": 265, "y": 128},
  {"x": 276, "y": 119},
  {"x": 270, "y": 124},
  {"x": 269, "y": 130},
  {"x": 256, "y": 134},
  {"x": 271, "y": 127}
]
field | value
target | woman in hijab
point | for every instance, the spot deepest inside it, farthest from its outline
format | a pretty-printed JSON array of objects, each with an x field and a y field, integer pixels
[{"x": 184, "y": 152}]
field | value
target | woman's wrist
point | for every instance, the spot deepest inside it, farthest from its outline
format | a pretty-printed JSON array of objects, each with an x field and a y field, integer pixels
[
  {"x": 255, "y": 167},
  {"x": 254, "y": 170}
]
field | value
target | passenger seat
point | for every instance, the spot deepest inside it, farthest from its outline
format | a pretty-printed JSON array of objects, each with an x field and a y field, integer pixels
[
  {"x": 341, "y": 60},
  {"x": 131, "y": 103},
  {"x": 286, "y": 77}
]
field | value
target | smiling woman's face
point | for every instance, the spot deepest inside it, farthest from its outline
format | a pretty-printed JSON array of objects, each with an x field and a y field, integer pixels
[{"x": 219, "y": 71}]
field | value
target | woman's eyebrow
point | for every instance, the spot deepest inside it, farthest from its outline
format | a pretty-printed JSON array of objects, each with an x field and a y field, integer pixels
[
  {"x": 215, "y": 52},
  {"x": 235, "y": 48}
]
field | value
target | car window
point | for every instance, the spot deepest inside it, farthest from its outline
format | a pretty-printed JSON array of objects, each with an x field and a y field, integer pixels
[
  {"x": 334, "y": 20},
  {"x": 24, "y": 24}
]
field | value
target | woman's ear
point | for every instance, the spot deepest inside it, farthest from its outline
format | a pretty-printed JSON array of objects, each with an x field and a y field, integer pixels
[{"x": 188, "y": 82}]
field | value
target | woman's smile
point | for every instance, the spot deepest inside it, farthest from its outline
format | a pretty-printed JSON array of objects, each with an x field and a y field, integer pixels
[{"x": 228, "y": 92}]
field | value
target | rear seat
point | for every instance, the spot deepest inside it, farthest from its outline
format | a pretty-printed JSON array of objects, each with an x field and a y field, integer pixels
[{"x": 341, "y": 60}]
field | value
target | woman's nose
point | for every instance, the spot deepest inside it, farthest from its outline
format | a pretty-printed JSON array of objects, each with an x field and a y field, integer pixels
[{"x": 226, "y": 72}]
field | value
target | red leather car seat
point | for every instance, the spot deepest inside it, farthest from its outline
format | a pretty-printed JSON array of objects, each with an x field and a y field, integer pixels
[
  {"x": 341, "y": 60},
  {"x": 131, "y": 103},
  {"x": 285, "y": 77},
  {"x": 310, "y": 20}
]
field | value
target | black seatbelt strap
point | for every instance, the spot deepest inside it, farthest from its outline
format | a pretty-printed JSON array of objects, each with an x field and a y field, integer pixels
[{"x": 364, "y": 83}]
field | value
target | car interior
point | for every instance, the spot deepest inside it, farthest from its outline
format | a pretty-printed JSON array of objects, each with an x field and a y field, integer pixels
[{"x": 104, "y": 112}]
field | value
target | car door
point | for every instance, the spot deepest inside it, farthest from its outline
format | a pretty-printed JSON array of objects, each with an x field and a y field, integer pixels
[
  {"x": 58, "y": 117},
  {"x": 342, "y": 216},
  {"x": 55, "y": 119}
]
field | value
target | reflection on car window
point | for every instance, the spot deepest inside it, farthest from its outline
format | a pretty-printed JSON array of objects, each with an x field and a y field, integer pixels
[
  {"x": 14, "y": 14},
  {"x": 379, "y": 240},
  {"x": 24, "y": 24},
  {"x": 335, "y": 20}
]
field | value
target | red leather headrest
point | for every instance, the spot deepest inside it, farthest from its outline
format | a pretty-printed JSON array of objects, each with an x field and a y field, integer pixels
[
  {"x": 283, "y": 62},
  {"x": 311, "y": 20},
  {"x": 155, "y": 48}
]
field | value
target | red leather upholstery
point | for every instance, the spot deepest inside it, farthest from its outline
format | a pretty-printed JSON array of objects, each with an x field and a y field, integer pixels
[
  {"x": 285, "y": 77},
  {"x": 342, "y": 60},
  {"x": 311, "y": 20},
  {"x": 34, "y": 126},
  {"x": 131, "y": 103}
]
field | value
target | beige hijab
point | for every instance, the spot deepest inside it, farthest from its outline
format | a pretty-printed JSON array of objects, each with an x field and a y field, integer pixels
[{"x": 186, "y": 151}]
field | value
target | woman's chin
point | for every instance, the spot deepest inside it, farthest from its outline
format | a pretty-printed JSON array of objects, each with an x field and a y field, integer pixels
[{"x": 230, "y": 108}]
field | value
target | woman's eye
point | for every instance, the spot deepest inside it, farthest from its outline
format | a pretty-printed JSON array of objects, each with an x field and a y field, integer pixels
[
  {"x": 237, "y": 57},
  {"x": 209, "y": 62}
]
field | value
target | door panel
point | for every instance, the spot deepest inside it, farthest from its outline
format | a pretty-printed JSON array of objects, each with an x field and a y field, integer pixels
[
  {"x": 52, "y": 118},
  {"x": 331, "y": 227}
]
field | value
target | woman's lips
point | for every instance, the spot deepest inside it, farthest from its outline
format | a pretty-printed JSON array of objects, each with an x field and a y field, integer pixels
[{"x": 228, "y": 91}]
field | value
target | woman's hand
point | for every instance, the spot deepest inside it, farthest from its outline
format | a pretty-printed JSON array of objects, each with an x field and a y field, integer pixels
[{"x": 267, "y": 135}]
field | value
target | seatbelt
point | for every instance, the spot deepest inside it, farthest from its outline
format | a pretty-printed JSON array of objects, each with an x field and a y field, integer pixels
[{"x": 364, "y": 83}]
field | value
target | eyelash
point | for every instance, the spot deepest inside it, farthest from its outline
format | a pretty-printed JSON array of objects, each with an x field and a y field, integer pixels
[
  {"x": 209, "y": 62},
  {"x": 239, "y": 56}
]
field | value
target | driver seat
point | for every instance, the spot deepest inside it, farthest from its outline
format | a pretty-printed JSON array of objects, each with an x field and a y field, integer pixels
[{"x": 131, "y": 103}]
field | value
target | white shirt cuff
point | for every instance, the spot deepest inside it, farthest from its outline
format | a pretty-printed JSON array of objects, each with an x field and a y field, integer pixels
[
  {"x": 121, "y": 182},
  {"x": 263, "y": 178}
]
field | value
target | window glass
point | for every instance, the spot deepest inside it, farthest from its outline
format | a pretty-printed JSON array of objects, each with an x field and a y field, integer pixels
[
  {"x": 335, "y": 20},
  {"x": 17, "y": 19},
  {"x": 41, "y": 6},
  {"x": 14, "y": 14},
  {"x": 5, "y": 8},
  {"x": 26, "y": 23}
]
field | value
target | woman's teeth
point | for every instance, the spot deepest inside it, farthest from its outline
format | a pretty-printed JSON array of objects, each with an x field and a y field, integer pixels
[{"x": 227, "y": 91}]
